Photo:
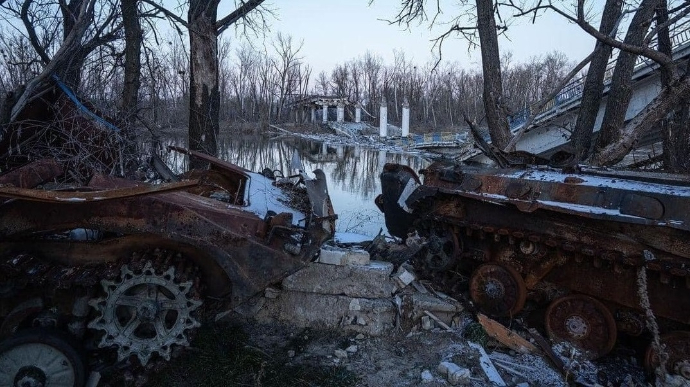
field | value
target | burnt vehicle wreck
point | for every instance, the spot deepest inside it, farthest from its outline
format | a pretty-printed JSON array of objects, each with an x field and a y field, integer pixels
[
  {"x": 117, "y": 274},
  {"x": 575, "y": 243}
]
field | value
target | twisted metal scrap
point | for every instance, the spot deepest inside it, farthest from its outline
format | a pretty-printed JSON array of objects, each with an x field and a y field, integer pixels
[{"x": 145, "y": 301}]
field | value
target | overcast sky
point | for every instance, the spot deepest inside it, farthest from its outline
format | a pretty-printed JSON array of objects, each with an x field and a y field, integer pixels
[{"x": 335, "y": 31}]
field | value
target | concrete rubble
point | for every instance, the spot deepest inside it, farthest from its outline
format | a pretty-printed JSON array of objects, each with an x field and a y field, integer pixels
[{"x": 346, "y": 290}]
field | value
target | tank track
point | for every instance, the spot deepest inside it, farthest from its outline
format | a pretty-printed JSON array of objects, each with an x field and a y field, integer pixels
[
  {"x": 25, "y": 276},
  {"x": 506, "y": 243}
]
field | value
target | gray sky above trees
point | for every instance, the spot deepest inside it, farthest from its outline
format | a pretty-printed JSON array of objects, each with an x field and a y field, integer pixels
[{"x": 335, "y": 31}]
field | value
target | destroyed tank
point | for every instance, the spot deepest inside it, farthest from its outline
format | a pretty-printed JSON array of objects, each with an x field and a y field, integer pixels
[
  {"x": 118, "y": 275},
  {"x": 598, "y": 249}
]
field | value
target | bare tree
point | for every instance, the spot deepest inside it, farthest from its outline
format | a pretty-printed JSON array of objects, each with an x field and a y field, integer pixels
[
  {"x": 204, "y": 99},
  {"x": 132, "y": 75},
  {"x": 621, "y": 87}
]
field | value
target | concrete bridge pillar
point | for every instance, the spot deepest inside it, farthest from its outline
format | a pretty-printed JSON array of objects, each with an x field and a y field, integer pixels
[
  {"x": 313, "y": 114},
  {"x": 324, "y": 113},
  {"x": 406, "y": 118},
  {"x": 383, "y": 118},
  {"x": 358, "y": 113},
  {"x": 341, "y": 112}
]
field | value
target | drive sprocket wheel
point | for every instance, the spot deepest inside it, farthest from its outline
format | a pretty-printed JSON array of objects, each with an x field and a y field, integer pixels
[
  {"x": 499, "y": 290},
  {"x": 145, "y": 313},
  {"x": 677, "y": 347},
  {"x": 584, "y": 322}
]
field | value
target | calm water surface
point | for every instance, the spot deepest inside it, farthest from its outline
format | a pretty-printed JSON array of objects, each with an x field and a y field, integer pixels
[{"x": 352, "y": 171}]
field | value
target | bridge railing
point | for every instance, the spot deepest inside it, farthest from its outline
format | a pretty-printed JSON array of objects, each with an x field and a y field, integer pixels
[{"x": 680, "y": 35}]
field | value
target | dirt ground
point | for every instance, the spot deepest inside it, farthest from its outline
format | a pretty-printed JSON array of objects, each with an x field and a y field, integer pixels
[{"x": 240, "y": 352}]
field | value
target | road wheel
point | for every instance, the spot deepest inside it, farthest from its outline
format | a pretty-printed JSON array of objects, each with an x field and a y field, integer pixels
[
  {"x": 40, "y": 357},
  {"x": 584, "y": 322}
]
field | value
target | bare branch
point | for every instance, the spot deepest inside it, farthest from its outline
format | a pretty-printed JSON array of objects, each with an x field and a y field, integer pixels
[
  {"x": 536, "y": 108},
  {"x": 239, "y": 13},
  {"x": 166, "y": 12}
]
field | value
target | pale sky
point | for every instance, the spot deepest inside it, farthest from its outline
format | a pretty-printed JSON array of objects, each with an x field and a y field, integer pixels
[{"x": 336, "y": 31}]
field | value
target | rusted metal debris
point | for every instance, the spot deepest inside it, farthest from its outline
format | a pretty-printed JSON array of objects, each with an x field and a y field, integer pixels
[
  {"x": 112, "y": 263},
  {"x": 569, "y": 241}
]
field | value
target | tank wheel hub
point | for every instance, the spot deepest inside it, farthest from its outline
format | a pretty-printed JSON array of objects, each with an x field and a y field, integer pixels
[
  {"x": 145, "y": 313},
  {"x": 40, "y": 358},
  {"x": 498, "y": 289},
  {"x": 494, "y": 289},
  {"x": 584, "y": 322},
  {"x": 577, "y": 326}
]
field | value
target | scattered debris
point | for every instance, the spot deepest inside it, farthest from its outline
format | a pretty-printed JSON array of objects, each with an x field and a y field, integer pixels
[
  {"x": 487, "y": 366},
  {"x": 438, "y": 321},
  {"x": 505, "y": 336}
]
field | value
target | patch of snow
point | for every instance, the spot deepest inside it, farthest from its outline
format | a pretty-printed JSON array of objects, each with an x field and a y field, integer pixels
[
  {"x": 263, "y": 196},
  {"x": 601, "y": 181}
]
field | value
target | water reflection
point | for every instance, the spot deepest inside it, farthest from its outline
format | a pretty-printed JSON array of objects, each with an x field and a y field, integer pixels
[{"x": 352, "y": 171}]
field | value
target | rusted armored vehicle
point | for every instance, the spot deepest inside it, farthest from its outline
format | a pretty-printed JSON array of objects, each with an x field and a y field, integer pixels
[
  {"x": 580, "y": 244},
  {"x": 119, "y": 274}
]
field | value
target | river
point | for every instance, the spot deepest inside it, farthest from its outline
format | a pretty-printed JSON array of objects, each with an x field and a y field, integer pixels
[{"x": 352, "y": 171}]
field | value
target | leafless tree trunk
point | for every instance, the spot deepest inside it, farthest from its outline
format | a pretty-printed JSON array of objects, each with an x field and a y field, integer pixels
[
  {"x": 621, "y": 88},
  {"x": 132, "y": 75},
  {"x": 676, "y": 126},
  {"x": 204, "y": 98},
  {"x": 666, "y": 101},
  {"x": 581, "y": 138},
  {"x": 494, "y": 105}
]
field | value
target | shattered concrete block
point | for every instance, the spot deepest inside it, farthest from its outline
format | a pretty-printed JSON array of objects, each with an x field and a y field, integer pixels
[
  {"x": 455, "y": 374},
  {"x": 354, "y": 304},
  {"x": 340, "y": 354},
  {"x": 459, "y": 377},
  {"x": 427, "y": 377},
  {"x": 427, "y": 323},
  {"x": 351, "y": 349},
  {"x": 271, "y": 293},
  {"x": 337, "y": 256},
  {"x": 366, "y": 281},
  {"x": 403, "y": 277},
  {"x": 311, "y": 310}
]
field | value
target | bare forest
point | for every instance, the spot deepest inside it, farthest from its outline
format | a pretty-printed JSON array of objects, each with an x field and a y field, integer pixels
[
  {"x": 257, "y": 81},
  {"x": 186, "y": 66}
]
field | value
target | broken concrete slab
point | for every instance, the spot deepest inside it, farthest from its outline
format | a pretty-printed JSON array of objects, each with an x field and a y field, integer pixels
[
  {"x": 337, "y": 256},
  {"x": 312, "y": 310},
  {"x": 403, "y": 277},
  {"x": 367, "y": 281},
  {"x": 443, "y": 310},
  {"x": 455, "y": 374}
]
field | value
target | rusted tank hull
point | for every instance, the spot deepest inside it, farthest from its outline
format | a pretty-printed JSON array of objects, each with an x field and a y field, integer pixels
[
  {"x": 548, "y": 234},
  {"x": 130, "y": 269}
]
